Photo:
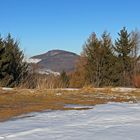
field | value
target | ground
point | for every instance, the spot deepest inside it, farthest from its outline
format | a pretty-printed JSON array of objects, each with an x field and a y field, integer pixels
[
  {"x": 112, "y": 121},
  {"x": 14, "y": 102}
]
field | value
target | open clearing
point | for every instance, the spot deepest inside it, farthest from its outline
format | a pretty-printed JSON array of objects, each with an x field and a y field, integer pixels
[{"x": 14, "y": 102}]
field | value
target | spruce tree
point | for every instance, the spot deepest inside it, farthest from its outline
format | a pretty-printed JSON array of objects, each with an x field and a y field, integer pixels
[
  {"x": 13, "y": 67},
  {"x": 101, "y": 61},
  {"x": 92, "y": 52},
  {"x": 123, "y": 49},
  {"x": 108, "y": 66},
  {"x": 1, "y": 57},
  {"x": 64, "y": 79}
]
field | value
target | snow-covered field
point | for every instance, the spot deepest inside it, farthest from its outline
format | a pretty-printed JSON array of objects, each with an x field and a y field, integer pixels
[{"x": 113, "y": 121}]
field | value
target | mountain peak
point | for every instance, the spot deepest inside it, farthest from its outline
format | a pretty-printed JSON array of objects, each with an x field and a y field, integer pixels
[
  {"x": 57, "y": 60},
  {"x": 52, "y": 53}
]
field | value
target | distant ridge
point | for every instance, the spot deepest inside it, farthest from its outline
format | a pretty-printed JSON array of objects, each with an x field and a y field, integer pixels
[{"x": 56, "y": 60}]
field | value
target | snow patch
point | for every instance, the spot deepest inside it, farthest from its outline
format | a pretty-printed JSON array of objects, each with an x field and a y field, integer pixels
[
  {"x": 123, "y": 89},
  {"x": 70, "y": 89},
  {"x": 78, "y": 106},
  {"x": 32, "y": 60},
  {"x": 47, "y": 72},
  {"x": 7, "y": 88},
  {"x": 112, "y": 121}
]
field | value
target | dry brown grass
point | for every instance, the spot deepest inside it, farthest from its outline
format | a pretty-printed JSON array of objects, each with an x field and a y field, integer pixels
[
  {"x": 136, "y": 81},
  {"x": 19, "y": 101}
]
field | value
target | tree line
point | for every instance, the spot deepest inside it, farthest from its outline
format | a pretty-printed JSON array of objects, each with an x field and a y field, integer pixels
[{"x": 102, "y": 62}]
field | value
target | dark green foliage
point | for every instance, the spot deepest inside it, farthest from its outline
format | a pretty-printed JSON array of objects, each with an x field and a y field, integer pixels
[
  {"x": 123, "y": 49},
  {"x": 64, "y": 79},
  {"x": 12, "y": 67},
  {"x": 100, "y": 61},
  {"x": 92, "y": 54},
  {"x": 1, "y": 56},
  {"x": 108, "y": 64}
]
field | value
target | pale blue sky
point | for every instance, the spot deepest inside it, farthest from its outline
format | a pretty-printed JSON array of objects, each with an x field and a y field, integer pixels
[{"x": 42, "y": 25}]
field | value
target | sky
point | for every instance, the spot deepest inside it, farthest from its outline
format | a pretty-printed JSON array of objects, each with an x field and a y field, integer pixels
[{"x": 43, "y": 25}]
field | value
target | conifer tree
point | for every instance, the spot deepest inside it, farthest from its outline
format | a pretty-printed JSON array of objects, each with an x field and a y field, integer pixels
[
  {"x": 123, "y": 49},
  {"x": 64, "y": 79},
  {"x": 13, "y": 68},
  {"x": 100, "y": 61},
  {"x": 108, "y": 75},
  {"x": 1, "y": 56},
  {"x": 92, "y": 52}
]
